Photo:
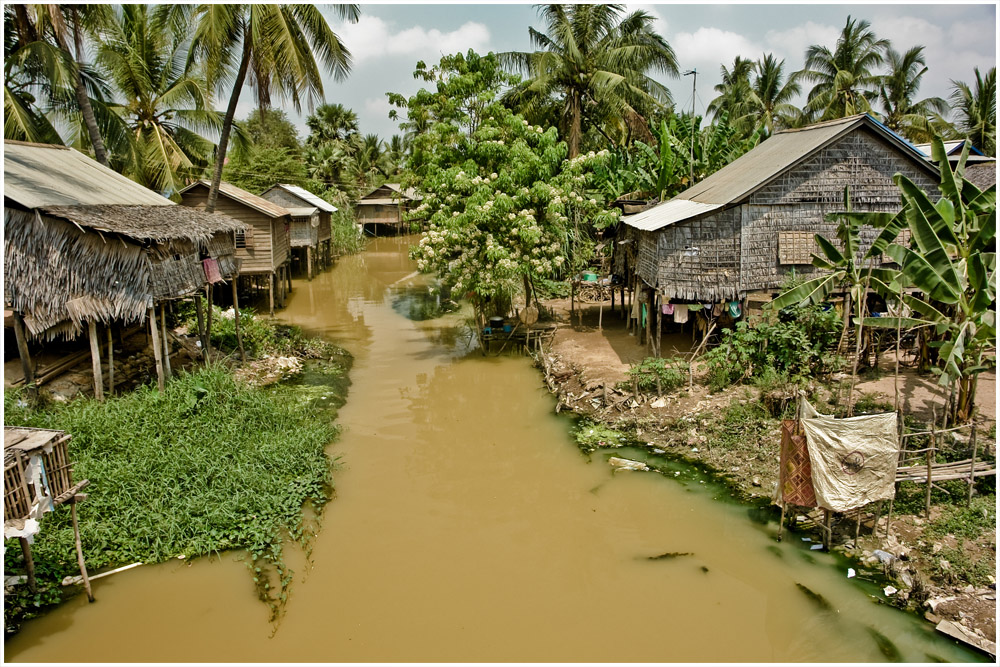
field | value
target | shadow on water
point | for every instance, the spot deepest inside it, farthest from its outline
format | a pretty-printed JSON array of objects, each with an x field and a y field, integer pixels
[{"x": 420, "y": 303}]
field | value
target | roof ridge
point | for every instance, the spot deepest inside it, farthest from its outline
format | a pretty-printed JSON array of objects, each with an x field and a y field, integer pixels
[{"x": 18, "y": 142}]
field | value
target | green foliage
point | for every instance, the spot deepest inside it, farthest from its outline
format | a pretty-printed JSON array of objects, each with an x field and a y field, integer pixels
[
  {"x": 591, "y": 436},
  {"x": 970, "y": 522},
  {"x": 259, "y": 167},
  {"x": 181, "y": 473},
  {"x": 741, "y": 422},
  {"x": 800, "y": 345},
  {"x": 871, "y": 403},
  {"x": 261, "y": 336},
  {"x": 270, "y": 128},
  {"x": 671, "y": 373},
  {"x": 960, "y": 569}
]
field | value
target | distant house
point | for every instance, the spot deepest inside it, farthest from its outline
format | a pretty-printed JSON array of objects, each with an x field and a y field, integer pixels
[
  {"x": 311, "y": 218},
  {"x": 746, "y": 227},
  {"x": 264, "y": 249},
  {"x": 385, "y": 205},
  {"x": 954, "y": 151},
  {"x": 85, "y": 246}
]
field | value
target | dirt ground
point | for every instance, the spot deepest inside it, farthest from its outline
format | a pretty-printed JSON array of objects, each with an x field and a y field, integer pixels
[{"x": 591, "y": 354}]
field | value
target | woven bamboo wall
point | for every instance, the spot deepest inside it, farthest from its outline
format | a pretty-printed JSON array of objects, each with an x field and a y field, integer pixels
[
  {"x": 798, "y": 201},
  {"x": 303, "y": 233},
  {"x": 324, "y": 233},
  {"x": 175, "y": 270},
  {"x": 700, "y": 259}
]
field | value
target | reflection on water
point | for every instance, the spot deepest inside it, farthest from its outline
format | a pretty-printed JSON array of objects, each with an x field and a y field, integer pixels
[{"x": 468, "y": 527}]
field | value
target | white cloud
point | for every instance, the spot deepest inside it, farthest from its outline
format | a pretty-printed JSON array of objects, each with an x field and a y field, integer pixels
[
  {"x": 378, "y": 106},
  {"x": 791, "y": 44},
  {"x": 708, "y": 48},
  {"x": 659, "y": 23},
  {"x": 372, "y": 37}
]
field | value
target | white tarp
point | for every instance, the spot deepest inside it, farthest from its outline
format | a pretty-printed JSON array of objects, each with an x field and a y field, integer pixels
[{"x": 853, "y": 459}]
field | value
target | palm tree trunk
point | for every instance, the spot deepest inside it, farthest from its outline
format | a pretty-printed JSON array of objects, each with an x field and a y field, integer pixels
[
  {"x": 575, "y": 112},
  {"x": 83, "y": 99},
  {"x": 227, "y": 124}
]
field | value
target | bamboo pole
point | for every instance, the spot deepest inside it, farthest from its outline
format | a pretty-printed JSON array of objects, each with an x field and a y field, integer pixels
[
  {"x": 95, "y": 360},
  {"x": 157, "y": 353},
  {"x": 972, "y": 466},
  {"x": 930, "y": 461},
  {"x": 201, "y": 327},
  {"x": 79, "y": 551},
  {"x": 111, "y": 362},
  {"x": 309, "y": 263},
  {"x": 236, "y": 316},
  {"x": 29, "y": 564},
  {"x": 659, "y": 325},
  {"x": 22, "y": 352},
  {"x": 209, "y": 300},
  {"x": 271, "y": 287},
  {"x": 166, "y": 341}
]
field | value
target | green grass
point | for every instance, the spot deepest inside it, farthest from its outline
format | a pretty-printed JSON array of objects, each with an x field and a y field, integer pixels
[
  {"x": 741, "y": 424},
  {"x": 211, "y": 464},
  {"x": 671, "y": 373},
  {"x": 971, "y": 522},
  {"x": 591, "y": 436}
]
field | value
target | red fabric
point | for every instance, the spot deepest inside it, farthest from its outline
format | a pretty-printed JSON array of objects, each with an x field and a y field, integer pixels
[
  {"x": 795, "y": 478},
  {"x": 212, "y": 273}
]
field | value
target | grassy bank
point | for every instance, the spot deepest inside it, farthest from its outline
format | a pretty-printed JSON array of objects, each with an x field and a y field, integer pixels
[{"x": 209, "y": 465}]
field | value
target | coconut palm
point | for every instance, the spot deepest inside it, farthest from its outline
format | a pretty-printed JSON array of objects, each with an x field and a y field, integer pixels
[
  {"x": 331, "y": 122},
  {"x": 164, "y": 103},
  {"x": 733, "y": 89},
  {"x": 975, "y": 110},
  {"x": 901, "y": 111},
  {"x": 768, "y": 101},
  {"x": 845, "y": 79},
  {"x": 274, "y": 48},
  {"x": 598, "y": 63}
]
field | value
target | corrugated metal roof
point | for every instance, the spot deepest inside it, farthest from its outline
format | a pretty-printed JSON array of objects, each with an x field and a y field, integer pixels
[
  {"x": 303, "y": 211},
  {"x": 239, "y": 194},
  {"x": 950, "y": 148},
  {"x": 385, "y": 201},
  {"x": 668, "y": 213},
  {"x": 782, "y": 151},
  {"x": 37, "y": 175},
  {"x": 409, "y": 193},
  {"x": 305, "y": 195}
]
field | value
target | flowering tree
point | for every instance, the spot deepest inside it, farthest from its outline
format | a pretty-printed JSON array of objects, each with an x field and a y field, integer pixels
[{"x": 505, "y": 208}]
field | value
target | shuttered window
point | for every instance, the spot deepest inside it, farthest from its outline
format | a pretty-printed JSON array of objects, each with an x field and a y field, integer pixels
[{"x": 796, "y": 247}]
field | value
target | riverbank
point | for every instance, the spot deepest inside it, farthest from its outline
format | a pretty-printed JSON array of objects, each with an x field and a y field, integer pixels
[
  {"x": 942, "y": 565},
  {"x": 231, "y": 456}
]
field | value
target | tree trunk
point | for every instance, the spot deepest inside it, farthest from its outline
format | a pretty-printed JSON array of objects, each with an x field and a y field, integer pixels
[
  {"x": 574, "y": 111},
  {"x": 96, "y": 141},
  {"x": 227, "y": 123}
]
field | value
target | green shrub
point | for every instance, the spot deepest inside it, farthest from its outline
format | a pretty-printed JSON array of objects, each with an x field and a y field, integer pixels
[
  {"x": 971, "y": 522},
  {"x": 671, "y": 373},
  {"x": 345, "y": 236},
  {"x": 591, "y": 436},
  {"x": 741, "y": 423},
  {"x": 261, "y": 336}
]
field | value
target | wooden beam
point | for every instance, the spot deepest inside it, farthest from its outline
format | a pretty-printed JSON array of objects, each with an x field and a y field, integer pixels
[
  {"x": 95, "y": 358},
  {"x": 236, "y": 315},
  {"x": 79, "y": 552},
  {"x": 22, "y": 351},
  {"x": 157, "y": 352},
  {"x": 166, "y": 341}
]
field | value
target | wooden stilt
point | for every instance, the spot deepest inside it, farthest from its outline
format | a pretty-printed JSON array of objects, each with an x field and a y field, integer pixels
[
  {"x": 29, "y": 564},
  {"x": 111, "y": 362},
  {"x": 649, "y": 319},
  {"x": 79, "y": 552},
  {"x": 166, "y": 341},
  {"x": 209, "y": 300},
  {"x": 572, "y": 300},
  {"x": 95, "y": 359},
  {"x": 930, "y": 463},
  {"x": 857, "y": 528},
  {"x": 157, "y": 353},
  {"x": 659, "y": 326},
  {"x": 827, "y": 532},
  {"x": 288, "y": 276},
  {"x": 201, "y": 328},
  {"x": 22, "y": 351},
  {"x": 236, "y": 314},
  {"x": 309, "y": 263},
  {"x": 271, "y": 293},
  {"x": 781, "y": 521},
  {"x": 600, "y": 315},
  {"x": 972, "y": 466}
]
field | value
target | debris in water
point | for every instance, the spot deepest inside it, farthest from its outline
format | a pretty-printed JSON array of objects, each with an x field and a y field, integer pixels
[
  {"x": 888, "y": 649},
  {"x": 807, "y": 539},
  {"x": 670, "y": 554},
  {"x": 884, "y": 556},
  {"x": 890, "y": 590},
  {"x": 818, "y": 599},
  {"x": 704, "y": 569},
  {"x": 627, "y": 464},
  {"x": 851, "y": 573},
  {"x": 816, "y": 546}
]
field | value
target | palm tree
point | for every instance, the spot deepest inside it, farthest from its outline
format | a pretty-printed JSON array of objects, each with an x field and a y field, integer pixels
[
  {"x": 331, "y": 122},
  {"x": 976, "y": 110},
  {"x": 598, "y": 63},
  {"x": 846, "y": 83},
  {"x": 164, "y": 103},
  {"x": 902, "y": 113},
  {"x": 276, "y": 47},
  {"x": 768, "y": 101},
  {"x": 733, "y": 89}
]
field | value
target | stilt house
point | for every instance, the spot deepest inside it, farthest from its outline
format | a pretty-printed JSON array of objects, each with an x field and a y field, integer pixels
[
  {"x": 310, "y": 228},
  {"x": 747, "y": 226},
  {"x": 85, "y": 246},
  {"x": 385, "y": 205},
  {"x": 264, "y": 249}
]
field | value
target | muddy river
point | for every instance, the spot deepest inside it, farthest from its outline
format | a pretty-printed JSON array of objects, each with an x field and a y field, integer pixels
[{"x": 468, "y": 527}]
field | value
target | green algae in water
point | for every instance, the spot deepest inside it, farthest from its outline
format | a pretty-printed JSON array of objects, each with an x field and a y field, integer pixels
[
  {"x": 815, "y": 598},
  {"x": 670, "y": 555},
  {"x": 885, "y": 646}
]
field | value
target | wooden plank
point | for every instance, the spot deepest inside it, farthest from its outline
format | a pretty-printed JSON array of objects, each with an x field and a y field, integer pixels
[
  {"x": 95, "y": 357},
  {"x": 959, "y": 632}
]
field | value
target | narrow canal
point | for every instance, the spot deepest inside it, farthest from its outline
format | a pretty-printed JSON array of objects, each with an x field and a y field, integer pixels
[{"x": 468, "y": 527}]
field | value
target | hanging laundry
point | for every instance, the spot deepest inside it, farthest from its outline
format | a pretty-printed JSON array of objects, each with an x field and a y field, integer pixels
[
  {"x": 668, "y": 309},
  {"x": 735, "y": 311},
  {"x": 212, "y": 274},
  {"x": 642, "y": 322},
  {"x": 717, "y": 310},
  {"x": 680, "y": 313}
]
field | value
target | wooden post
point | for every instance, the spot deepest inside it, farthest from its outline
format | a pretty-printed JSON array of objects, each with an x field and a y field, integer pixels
[
  {"x": 972, "y": 466},
  {"x": 166, "y": 341},
  {"x": 95, "y": 359},
  {"x": 288, "y": 276},
  {"x": 271, "y": 293},
  {"x": 79, "y": 551},
  {"x": 572, "y": 299},
  {"x": 22, "y": 351},
  {"x": 649, "y": 318},
  {"x": 600, "y": 313},
  {"x": 309, "y": 262},
  {"x": 29, "y": 564},
  {"x": 236, "y": 315},
  {"x": 157, "y": 353},
  {"x": 201, "y": 328},
  {"x": 659, "y": 325},
  {"x": 930, "y": 461},
  {"x": 781, "y": 521},
  {"x": 209, "y": 300},
  {"x": 111, "y": 362},
  {"x": 827, "y": 532}
]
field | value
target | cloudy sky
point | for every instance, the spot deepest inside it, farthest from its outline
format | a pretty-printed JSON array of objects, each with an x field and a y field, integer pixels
[{"x": 389, "y": 39}]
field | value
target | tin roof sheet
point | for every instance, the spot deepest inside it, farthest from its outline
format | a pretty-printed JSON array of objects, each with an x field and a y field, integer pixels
[
  {"x": 37, "y": 175},
  {"x": 668, "y": 213},
  {"x": 309, "y": 197}
]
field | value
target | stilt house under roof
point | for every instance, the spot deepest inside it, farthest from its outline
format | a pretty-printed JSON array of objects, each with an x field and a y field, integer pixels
[
  {"x": 82, "y": 243},
  {"x": 747, "y": 226},
  {"x": 385, "y": 205},
  {"x": 311, "y": 219}
]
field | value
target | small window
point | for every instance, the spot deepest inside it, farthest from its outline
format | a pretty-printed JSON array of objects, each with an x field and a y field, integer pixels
[
  {"x": 796, "y": 247},
  {"x": 241, "y": 239}
]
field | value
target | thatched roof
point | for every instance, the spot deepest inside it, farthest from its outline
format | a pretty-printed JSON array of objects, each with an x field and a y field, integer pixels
[
  {"x": 982, "y": 175},
  {"x": 46, "y": 175},
  {"x": 157, "y": 223}
]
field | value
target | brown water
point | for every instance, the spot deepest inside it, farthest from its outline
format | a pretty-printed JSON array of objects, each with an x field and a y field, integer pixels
[{"x": 468, "y": 527}]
